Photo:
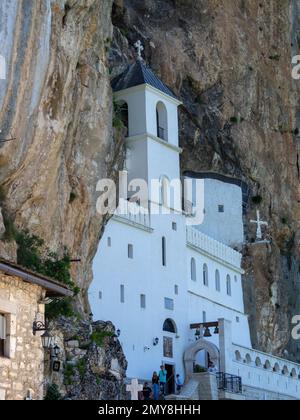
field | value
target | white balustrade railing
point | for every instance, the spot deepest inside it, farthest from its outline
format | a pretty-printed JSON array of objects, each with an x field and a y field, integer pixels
[
  {"x": 199, "y": 240},
  {"x": 264, "y": 371},
  {"x": 133, "y": 213}
]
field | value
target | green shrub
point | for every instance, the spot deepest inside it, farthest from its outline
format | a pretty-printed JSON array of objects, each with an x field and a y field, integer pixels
[
  {"x": 98, "y": 337},
  {"x": 50, "y": 265},
  {"x": 275, "y": 57},
  {"x": 53, "y": 393},
  {"x": 200, "y": 100},
  {"x": 57, "y": 308},
  {"x": 199, "y": 369},
  {"x": 81, "y": 366},
  {"x": 69, "y": 372},
  {"x": 73, "y": 197}
]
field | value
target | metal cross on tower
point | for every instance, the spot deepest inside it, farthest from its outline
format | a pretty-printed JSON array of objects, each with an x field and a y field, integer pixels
[{"x": 139, "y": 47}]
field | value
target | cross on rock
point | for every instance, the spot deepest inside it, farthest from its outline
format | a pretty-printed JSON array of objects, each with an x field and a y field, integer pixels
[
  {"x": 139, "y": 47},
  {"x": 259, "y": 224},
  {"x": 134, "y": 389}
]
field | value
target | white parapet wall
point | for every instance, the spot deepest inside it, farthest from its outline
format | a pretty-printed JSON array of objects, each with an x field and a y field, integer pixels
[
  {"x": 265, "y": 372},
  {"x": 213, "y": 248}
]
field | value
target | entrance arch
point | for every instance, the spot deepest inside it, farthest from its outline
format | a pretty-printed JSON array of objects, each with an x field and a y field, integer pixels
[{"x": 190, "y": 354}]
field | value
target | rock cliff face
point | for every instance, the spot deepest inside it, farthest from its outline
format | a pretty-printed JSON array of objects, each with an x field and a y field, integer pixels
[
  {"x": 94, "y": 363},
  {"x": 56, "y": 103},
  {"x": 230, "y": 63}
]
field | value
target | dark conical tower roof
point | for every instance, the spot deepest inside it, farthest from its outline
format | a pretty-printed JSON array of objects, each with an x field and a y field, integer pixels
[{"x": 139, "y": 74}]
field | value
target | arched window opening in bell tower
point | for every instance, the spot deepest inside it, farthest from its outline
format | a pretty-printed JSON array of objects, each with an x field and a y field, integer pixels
[{"x": 162, "y": 121}]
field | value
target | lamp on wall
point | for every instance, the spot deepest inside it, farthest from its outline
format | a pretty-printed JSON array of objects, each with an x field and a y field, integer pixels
[
  {"x": 155, "y": 341},
  {"x": 47, "y": 340}
]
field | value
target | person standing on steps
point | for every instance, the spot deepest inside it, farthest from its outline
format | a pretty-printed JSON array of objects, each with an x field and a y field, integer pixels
[
  {"x": 155, "y": 386},
  {"x": 163, "y": 379},
  {"x": 178, "y": 384},
  {"x": 147, "y": 392}
]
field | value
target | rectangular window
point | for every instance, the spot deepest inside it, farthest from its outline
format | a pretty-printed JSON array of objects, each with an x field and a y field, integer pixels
[
  {"x": 122, "y": 293},
  {"x": 143, "y": 301},
  {"x": 221, "y": 208},
  {"x": 2, "y": 334},
  {"x": 238, "y": 319},
  {"x": 100, "y": 295},
  {"x": 164, "y": 252},
  {"x": 109, "y": 242},
  {"x": 176, "y": 290},
  {"x": 169, "y": 304},
  {"x": 174, "y": 226},
  {"x": 130, "y": 251}
]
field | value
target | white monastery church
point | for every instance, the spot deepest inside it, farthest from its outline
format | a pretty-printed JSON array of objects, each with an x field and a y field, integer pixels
[{"x": 173, "y": 290}]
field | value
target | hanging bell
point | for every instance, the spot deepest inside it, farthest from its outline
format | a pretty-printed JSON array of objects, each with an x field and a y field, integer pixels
[{"x": 207, "y": 333}]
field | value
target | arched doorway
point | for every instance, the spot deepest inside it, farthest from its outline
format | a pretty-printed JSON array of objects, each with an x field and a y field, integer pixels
[{"x": 191, "y": 354}]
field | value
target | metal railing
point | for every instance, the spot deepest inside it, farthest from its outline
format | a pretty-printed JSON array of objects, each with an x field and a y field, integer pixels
[{"x": 229, "y": 383}]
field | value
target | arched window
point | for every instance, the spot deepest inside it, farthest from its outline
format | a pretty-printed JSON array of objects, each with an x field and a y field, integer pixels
[
  {"x": 258, "y": 362},
  {"x": 170, "y": 326},
  {"x": 162, "y": 121},
  {"x": 293, "y": 373},
  {"x": 164, "y": 252},
  {"x": 248, "y": 359},
  {"x": 205, "y": 275},
  {"x": 193, "y": 270},
  {"x": 228, "y": 285},
  {"x": 165, "y": 191},
  {"x": 218, "y": 281},
  {"x": 238, "y": 356},
  {"x": 276, "y": 368}
]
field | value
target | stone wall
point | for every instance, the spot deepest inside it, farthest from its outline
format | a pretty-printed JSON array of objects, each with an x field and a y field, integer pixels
[{"x": 23, "y": 370}]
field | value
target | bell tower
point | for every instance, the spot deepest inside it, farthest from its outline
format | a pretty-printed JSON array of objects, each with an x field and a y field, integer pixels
[{"x": 152, "y": 143}]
